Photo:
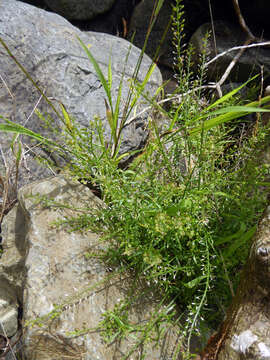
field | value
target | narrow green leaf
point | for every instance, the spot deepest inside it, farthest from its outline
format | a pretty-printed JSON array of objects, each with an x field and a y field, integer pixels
[
  {"x": 156, "y": 11},
  {"x": 141, "y": 86},
  {"x": 241, "y": 240},
  {"x": 19, "y": 129},
  {"x": 248, "y": 109},
  {"x": 66, "y": 117},
  {"x": 191, "y": 284},
  {"x": 228, "y": 95},
  {"x": 98, "y": 71},
  {"x": 110, "y": 74},
  {"x": 117, "y": 110},
  {"x": 225, "y": 239},
  {"x": 230, "y": 115},
  {"x": 18, "y": 155},
  {"x": 30, "y": 78},
  {"x": 175, "y": 118}
]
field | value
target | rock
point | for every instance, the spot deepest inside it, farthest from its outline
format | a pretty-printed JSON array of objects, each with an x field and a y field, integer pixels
[
  {"x": 256, "y": 14},
  {"x": 8, "y": 311},
  {"x": 114, "y": 22},
  {"x": 46, "y": 45},
  {"x": 245, "y": 331},
  {"x": 65, "y": 292},
  {"x": 79, "y": 9},
  {"x": 139, "y": 24},
  {"x": 14, "y": 249},
  {"x": 12, "y": 270},
  {"x": 249, "y": 63}
]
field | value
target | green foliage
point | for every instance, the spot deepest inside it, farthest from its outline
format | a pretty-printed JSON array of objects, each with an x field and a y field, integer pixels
[{"x": 183, "y": 215}]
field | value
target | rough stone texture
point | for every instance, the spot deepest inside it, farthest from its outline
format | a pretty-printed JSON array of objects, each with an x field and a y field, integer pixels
[
  {"x": 57, "y": 272},
  {"x": 79, "y": 9},
  {"x": 8, "y": 311},
  {"x": 12, "y": 269},
  {"x": 14, "y": 251},
  {"x": 46, "y": 45},
  {"x": 228, "y": 36},
  {"x": 245, "y": 333}
]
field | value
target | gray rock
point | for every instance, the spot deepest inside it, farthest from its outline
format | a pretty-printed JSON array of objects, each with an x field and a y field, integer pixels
[
  {"x": 12, "y": 270},
  {"x": 248, "y": 334},
  {"x": 79, "y": 9},
  {"x": 58, "y": 273},
  {"x": 8, "y": 311},
  {"x": 46, "y": 45},
  {"x": 228, "y": 36}
]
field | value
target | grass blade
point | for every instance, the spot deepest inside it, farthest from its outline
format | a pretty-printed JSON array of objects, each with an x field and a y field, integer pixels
[
  {"x": 104, "y": 82},
  {"x": 19, "y": 129},
  {"x": 227, "y": 114}
]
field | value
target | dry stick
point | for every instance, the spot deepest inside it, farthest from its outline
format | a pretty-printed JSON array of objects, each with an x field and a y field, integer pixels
[
  {"x": 180, "y": 97},
  {"x": 250, "y": 38},
  {"x": 7, "y": 202},
  {"x": 6, "y": 86},
  {"x": 230, "y": 67},
  {"x": 242, "y": 20},
  {"x": 212, "y": 25},
  {"x": 5, "y": 186},
  {"x": 32, "y": 112},
  {"x": 265, "y": 43},
  {"x": 7, "y": 340}
]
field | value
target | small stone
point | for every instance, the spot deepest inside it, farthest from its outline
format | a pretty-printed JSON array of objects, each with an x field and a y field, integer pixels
[
  {"x": 8, "y": 317},
  {"x": 262, "y": 251}
]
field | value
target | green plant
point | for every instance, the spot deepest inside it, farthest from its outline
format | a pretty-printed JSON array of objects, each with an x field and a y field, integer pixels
[{"x": 182, "y": 215}]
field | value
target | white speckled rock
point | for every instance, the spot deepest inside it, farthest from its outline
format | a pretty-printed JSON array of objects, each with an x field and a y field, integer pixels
[
  {"x": 46, "y": 45},
  {"x": 60, "y": 277}
]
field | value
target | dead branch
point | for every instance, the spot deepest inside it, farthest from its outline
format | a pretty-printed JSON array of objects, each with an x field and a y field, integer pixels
[
  {"x": 230, "y": 67},
  {"x": 260, "y": 44},
  {"x": 241, "y": 20}
]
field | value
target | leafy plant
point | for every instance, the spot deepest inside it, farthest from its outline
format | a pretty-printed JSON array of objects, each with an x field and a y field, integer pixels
[{"x": 183, "y": 214}]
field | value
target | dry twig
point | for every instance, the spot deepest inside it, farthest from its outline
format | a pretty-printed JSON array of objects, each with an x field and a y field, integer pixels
[{"x": 241, "y": 20}]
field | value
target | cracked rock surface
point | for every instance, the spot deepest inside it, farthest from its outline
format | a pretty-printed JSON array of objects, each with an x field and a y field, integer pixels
[
  {"x": 46, "y": 45},
  {"x": 63, "y": 292}
]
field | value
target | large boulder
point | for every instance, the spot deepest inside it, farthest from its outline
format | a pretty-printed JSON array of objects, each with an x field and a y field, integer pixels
[
  {"x": 47, "y": 47},
  {"x": 79, "y": 9},
  {"x": 66, "y": 288},
  {"x": 256, "y": 14}
]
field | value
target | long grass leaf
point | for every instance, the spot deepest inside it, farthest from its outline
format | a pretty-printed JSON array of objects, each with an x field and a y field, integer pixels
[
  {"x": 141, "y": 86},
  {"x": 110, "y": 74},
  {"x": 68, "y": 121},
  {"x": 19, "y": 129},
  {"x": 228, "y": 95},
  {"x": 99, "y": 72},
  {"x": 243, "y": 239},
  {"x": 231, "y": 115},
  {"x": 248, "y": 109}
]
